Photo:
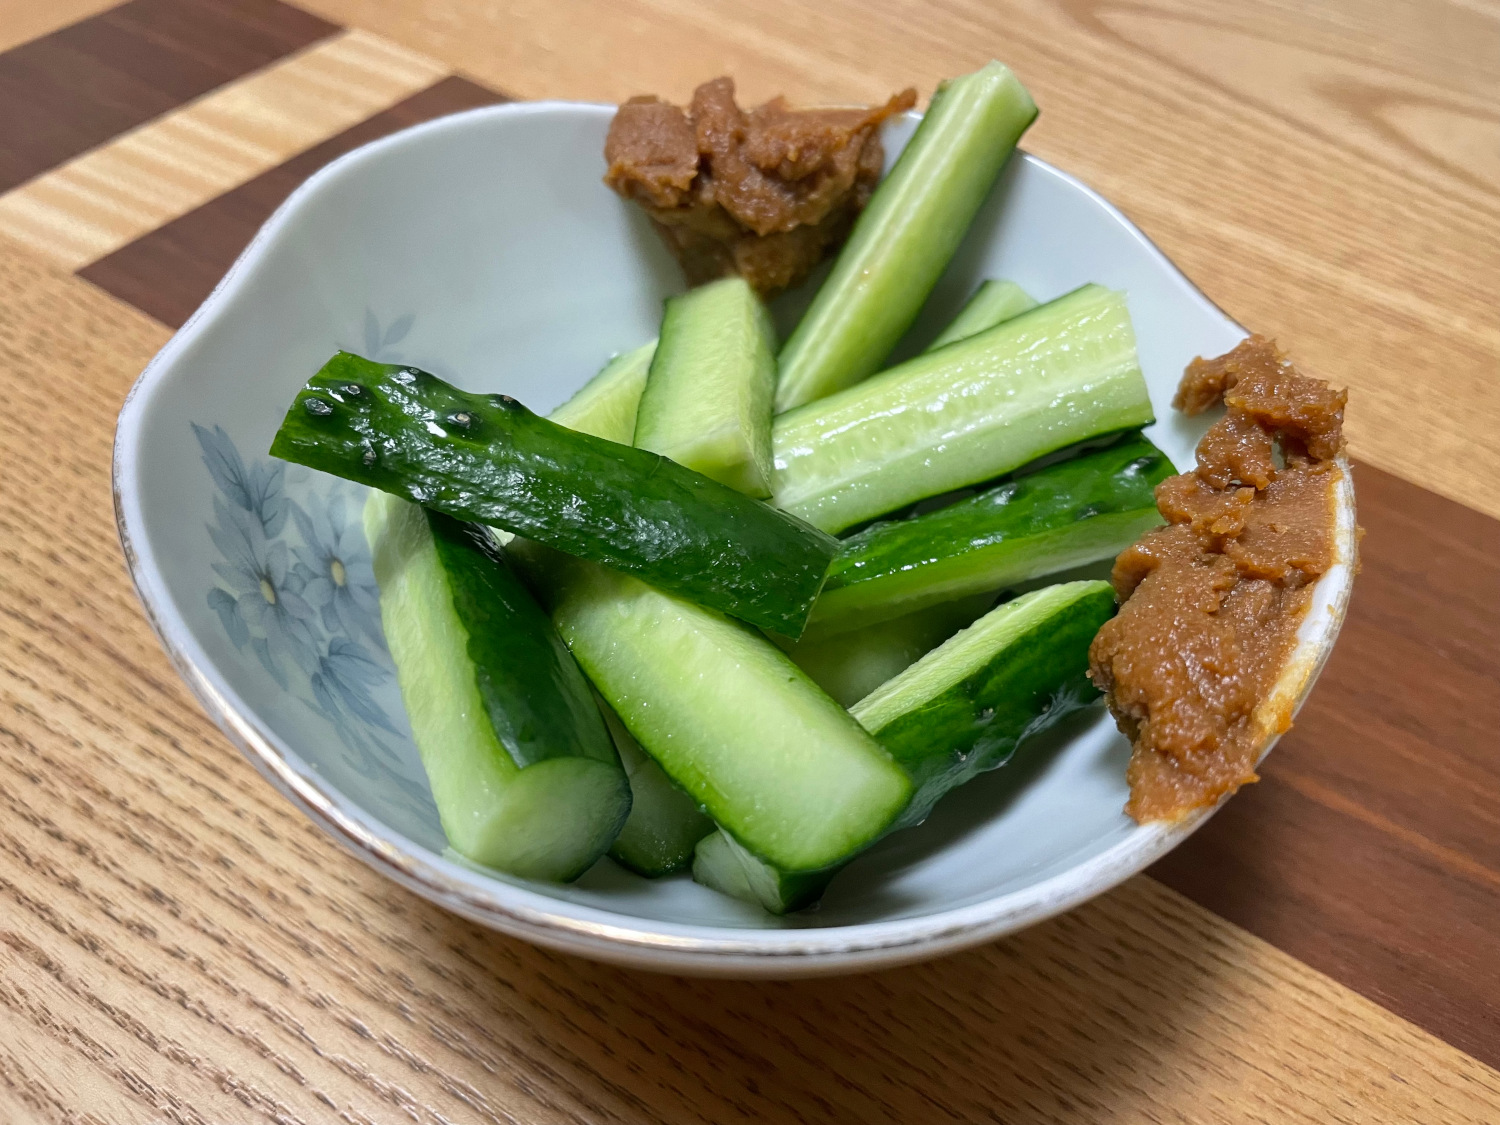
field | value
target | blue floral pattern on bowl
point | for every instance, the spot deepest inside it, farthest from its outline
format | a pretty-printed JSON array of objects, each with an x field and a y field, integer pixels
[{"x": 296, "y": 592}]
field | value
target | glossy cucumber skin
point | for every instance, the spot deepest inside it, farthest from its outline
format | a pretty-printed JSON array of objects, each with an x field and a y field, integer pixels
[
  {"x": 1060, "y": 374},
  {"x": 994, "y": 302},
  {"x": 707, "y": 402},
  {"x": 522, "y": 770},
  {"x": 1065, "y": 515},
  {"x": 906, "y": 235},
  {"x": 487, "y": 458},
  {"x": 945, "y": 725},
  {"x": 606, "y": 405},
  {"x": 537, "y": 699}
]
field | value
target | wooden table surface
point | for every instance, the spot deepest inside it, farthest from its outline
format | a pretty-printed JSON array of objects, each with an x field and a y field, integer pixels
[{"x": 177, "y": 944}]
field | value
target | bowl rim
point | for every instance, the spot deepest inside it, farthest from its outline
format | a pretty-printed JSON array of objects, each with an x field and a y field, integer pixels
[{"x": 592, "y": 931}]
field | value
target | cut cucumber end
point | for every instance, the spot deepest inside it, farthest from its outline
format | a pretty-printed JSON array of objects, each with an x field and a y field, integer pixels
[
  {"x": 552, "y": 820},
  {"x": 707, "y": 400},
  {"x": 724, "y": 866}
]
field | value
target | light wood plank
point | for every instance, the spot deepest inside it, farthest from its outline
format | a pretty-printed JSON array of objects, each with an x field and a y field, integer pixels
[{"x": 108, "y": 197}]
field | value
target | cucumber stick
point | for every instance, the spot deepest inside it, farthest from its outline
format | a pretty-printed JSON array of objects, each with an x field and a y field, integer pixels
[
  {"x": 849, "y": 665},
  {"x": 489, "y": 459},
  {"x": 960, "y": 710},
  {"x": 1062, "y": 373},
  {"x": 664, "y": 822},
  {"x": 732, "y": 721},
  {"x": 965, "y": 706},
  {"x": 993, "y": 303},
  {"x": 522, "y": 769},
  {"x": 904, "y": 238},
  {"x": 707, "y": 402},
  {"x": 606, "y": 404},
  {"x": 1066, "y": 515}
]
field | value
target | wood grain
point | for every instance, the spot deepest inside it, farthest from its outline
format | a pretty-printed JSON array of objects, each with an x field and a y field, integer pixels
[
  {"x": 24, "y": 20},
  {"x": 1371, "y": 849},
  {"x": 177, "y": 943},
  {"x": 1329, "y": 174},
  {"x": 84, "y": 84},
  {"x": 114, "y": 194},
  {"x": 170, "y": 271}
]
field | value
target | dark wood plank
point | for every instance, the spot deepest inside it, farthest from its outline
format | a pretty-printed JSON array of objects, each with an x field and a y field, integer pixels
[
  {"x": 69, "y": 91},
  {"x": 1371, "y": 849},
  {"x": 170, "y": 271}
]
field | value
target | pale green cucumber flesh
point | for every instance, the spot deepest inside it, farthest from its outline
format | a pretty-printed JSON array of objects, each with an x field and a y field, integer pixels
[
  {"x": 547, "y": 805},
  {"x": 728, "y": 717},
  {"x": 850, "y": 665},
  {"x": 1060, "y": 374},
  {"x": 606, "y": 405},
  {"x": 664, "y": 822},
  {"x": 906, "y": 235},
  {"x": 1063, "y": 516},
  {"x": 964, "y": 707},
  {"x": 994, "y": 302},
  {"x": 723, "y": 865},
  {"x": 707, "y": 402}
]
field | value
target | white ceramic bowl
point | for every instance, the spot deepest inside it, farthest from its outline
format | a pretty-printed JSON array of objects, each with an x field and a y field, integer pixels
[{"x": 484, "y": 248}]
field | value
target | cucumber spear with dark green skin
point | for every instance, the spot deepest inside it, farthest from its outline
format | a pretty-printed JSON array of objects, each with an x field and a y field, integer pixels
[
  {"x": 960, "y": 710},
  {"x": 488, "y": 459},
  {"x": 522, "y": 769},
  {"x": 1065, "y": 515},
  {"x": 965, "y": 706}
]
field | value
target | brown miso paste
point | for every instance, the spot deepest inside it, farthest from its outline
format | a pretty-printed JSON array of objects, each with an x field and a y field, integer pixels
[
  {"x": 764, "y": 193},
  {"x": 1212, "y": 601}
]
